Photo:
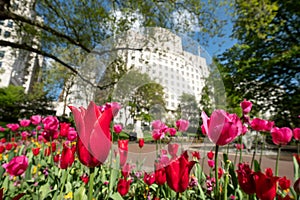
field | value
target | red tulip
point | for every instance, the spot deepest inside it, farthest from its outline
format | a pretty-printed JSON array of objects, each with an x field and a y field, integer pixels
[
  {"x": 16, "y": 166},
  {"x": 3, "y": 140},
  {"x": 210, "y": 155},
  {"x": 47, "y": 151},
  {"x": 246, "y": 178},
  {"x": 149, "y": 179},
  {"x": 123, "y": 186},
  {"x": 246, "y": 106},
  {"x": 2, "y": 149},
  {"x": 258, "y": 124},
  {"x": 182, "y": 125},
  {"x": 56, "y": 158},
  {"x": 296, "y": 132},
  {"x": 284, "y": 183},
  {"x": 222, "y": 128},
  {"x": 141, "y": 142},
  {"x": 35, "y": 151},
  {"x": 67, "y": 156},
  {"x": 123, "y": 150},
  {"x": 160, "y": 174},
  {"x": 265, "y": 185},
  {"x": 177, "y": 173},
  {"x": 281, "y": 136},
  {"x": 173, "y": 149},
  {"x": 196, "y": 155},
  {"x": 85, "y": 178},
  {"x": 118, "y": 128},
  {"x": 211, "y": 163},
  {"x": 64, "y": 129},
  {"x": 8, "y": 146},
  {"x": 94, "y": 141}
]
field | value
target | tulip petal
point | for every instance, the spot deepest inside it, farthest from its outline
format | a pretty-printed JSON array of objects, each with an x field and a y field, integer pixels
[{"x": 216, "y": 125}]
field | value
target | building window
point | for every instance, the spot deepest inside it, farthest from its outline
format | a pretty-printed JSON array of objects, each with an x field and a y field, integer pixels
[
  {"x": 2, "y": 22},
  {"x": 0, "y": 64},
  {"x": 2, "y": 53},
  {"x": 10, "y": 24},
  {"x": 6, "y": 34}
]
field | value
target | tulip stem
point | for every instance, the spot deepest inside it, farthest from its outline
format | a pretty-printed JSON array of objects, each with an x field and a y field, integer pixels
[
  {"x": 217, "y": 195},
  {"x": 262, "y": 148},
  {"x": 177, "y": 195},
  {"x": 254, "y": 152},
  {"x": 64, "y": 178},
  {"x": 91, "y": 183},
  {"x": 277, "y": 160},
  {"x": 241, "y": 148}
]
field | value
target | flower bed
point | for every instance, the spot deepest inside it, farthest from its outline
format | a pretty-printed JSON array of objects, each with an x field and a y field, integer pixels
[{"x": 43, "y": 158}]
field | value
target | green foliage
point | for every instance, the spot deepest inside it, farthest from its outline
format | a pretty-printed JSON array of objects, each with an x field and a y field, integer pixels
[
  {"x": 264, "y": 66},
  {"x": 190, "y": 111},
  {"x": 15, "y": 103}
]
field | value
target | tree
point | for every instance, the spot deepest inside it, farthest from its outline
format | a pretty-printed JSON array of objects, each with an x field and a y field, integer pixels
[
  {"x": 144, "y": 98},
  {"x": 53, "y": 25},
  {"x": 15, "y": 104},
  {"x": 189, "y": 110},
  {"x": 264, "y": 66}
]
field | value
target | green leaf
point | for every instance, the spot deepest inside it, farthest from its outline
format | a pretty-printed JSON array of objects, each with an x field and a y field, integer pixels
[
  {"x": 233, "y": 175},
  {"x": 116, "y": 196},
  {"x": 296, "y": 168},
  {"x": 44, "y": 191},
  {"x": 256, "y": 166},
  {"x": 80, "y": 194}
]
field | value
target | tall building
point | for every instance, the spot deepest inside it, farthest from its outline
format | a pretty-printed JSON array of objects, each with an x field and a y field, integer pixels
[
  {"x": 18, "y": 67},
  {"x": 164, "y": 56}
]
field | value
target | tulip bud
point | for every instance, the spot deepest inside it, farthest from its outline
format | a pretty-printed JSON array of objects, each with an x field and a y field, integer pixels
[
  {"x": 297, "y": 186},
  {"x": 141, "y": 142},
  {"x": 246, "y": 106},
  {"x": 118, "y": 128}
]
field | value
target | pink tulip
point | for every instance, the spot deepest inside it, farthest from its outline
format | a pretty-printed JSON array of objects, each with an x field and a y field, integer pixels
[
  {"x": 246, "y": 106},
  {"x": 211, "y": 163},
  {"x": 51, "y": 123},
  {"x": 258, "y": 124},
  {"x": 35, "y": 119},
  {"x": 13, "y": 127},
  {"x": 16, "y": 166},
  {"x": 172, "y": 131},
  {"x": 296, "y": 132},
  {"x": 173, "y": 149},
  {"x": 281, "y": 136},
  {"x": 118, "y": 128},
  {"x": 157, "y": 124},
  {"x": 182, "y": 125},
  {"x": 93, "y": 126},
  {"x": 72, "y": 134},
  {"x": 222, "y": 128},
  {"x": 25, "y": 122}
]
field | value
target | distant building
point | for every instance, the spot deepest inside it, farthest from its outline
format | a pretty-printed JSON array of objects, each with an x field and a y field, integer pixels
[
  {"x": 18, "y": 67},
  {"x": 161, "y": 55}
]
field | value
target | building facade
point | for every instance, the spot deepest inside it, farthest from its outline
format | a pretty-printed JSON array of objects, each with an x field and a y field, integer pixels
[
  {"x": 18, "y": 67},
  {"x": 158, "y": 53}
]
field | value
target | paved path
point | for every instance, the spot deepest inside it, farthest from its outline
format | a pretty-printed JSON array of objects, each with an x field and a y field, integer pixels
[{"x": 148, "y": 154}]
